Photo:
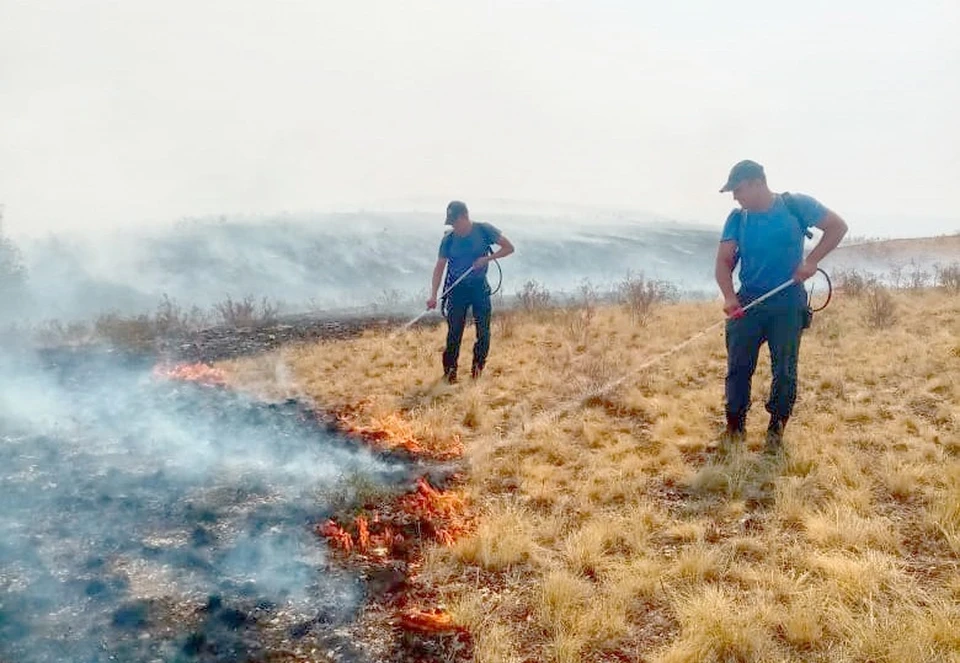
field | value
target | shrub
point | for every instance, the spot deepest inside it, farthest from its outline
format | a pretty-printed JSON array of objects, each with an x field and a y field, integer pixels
[
  {"x": 136, "y": 333},
  {"x": 917, "y": 277},
  {"x": 880, "y": 308},
  {"x": 640, "y": 296},
  {"x": 580, "y": 316},
  {"x": 171, "y": 319},
  {"x": 896, "y": 275},
  {"x": 533, "y": 297},
  {"x": 854, "y": 282},
  {"x": 948, "y": 276},
  {"x": 246, "y": 312}
]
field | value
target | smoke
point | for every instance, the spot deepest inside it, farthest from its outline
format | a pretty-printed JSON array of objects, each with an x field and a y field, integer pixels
[
  {"x": 360, "y": 262},
  {"x": 145, "y": 519},
  {"x": 340, "y": 261}
]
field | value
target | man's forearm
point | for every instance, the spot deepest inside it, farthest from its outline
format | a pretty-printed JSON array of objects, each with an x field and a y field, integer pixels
[
  {"x": 830, "y": 240},
  {"x": 834, "y": 228},
  {"x": 724, "y": 276},
  {"x": 506, "y": 248},
  {"x": 437, "y": 275},
  {"x": 502, "y": 252}
]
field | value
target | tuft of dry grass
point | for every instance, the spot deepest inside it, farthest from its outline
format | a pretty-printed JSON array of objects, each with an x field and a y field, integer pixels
[
  {"x": 610, "y": 526},
  {"x": 512, "y": 544}
]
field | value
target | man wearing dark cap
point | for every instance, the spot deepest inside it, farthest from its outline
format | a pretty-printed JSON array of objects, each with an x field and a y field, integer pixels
[
  {"x": 765, "y": 235},
  {"x": 465, "y": 252}
]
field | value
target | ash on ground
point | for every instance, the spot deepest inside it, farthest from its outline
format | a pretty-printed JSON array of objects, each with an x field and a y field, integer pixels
[{"x": 145, "y": 520}]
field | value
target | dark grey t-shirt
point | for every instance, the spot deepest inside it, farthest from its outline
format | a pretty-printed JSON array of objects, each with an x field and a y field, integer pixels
[{"x": 461, "y": 252}]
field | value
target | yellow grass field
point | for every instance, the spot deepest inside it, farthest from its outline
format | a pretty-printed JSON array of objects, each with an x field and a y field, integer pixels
[{"x": 612, "y": 527}]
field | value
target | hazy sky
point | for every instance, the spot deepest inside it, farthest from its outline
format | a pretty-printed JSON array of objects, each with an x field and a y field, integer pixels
[{"x": 141, "y": 111}]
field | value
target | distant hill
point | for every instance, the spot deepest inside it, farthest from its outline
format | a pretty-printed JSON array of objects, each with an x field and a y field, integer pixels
[{"x": 883, "y": 255}]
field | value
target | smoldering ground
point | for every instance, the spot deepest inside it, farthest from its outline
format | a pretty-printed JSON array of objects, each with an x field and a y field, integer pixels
[{"x": 148, "y": 520}]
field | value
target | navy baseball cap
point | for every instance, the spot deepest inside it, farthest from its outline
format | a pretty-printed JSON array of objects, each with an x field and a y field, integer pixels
[
  {"x": 455, "y": 209},
  {"x": 743, "y": 171}
]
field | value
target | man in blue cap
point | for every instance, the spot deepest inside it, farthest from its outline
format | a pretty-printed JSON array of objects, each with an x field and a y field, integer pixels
[
  {"x": 465, "y": 251},
  {"x": 765, "y": 235}
]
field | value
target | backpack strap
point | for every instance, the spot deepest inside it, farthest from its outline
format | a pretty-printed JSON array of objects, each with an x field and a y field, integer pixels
[
  {"x": 792, "y": 207},
  {"x": 791, "y": 204}
]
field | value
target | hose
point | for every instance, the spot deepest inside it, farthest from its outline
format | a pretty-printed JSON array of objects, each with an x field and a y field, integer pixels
[{"x": 829, "y": 292}]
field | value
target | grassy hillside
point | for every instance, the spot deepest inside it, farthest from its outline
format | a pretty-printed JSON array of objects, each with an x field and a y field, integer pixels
[
  {"x": 611, "y": 528},
  {"x": 902, "y": 260},
  {"x": 947, "y": 246}
]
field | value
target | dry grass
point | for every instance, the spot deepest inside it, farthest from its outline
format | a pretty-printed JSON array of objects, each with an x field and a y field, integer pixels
[{"x": 614, "y": 530}]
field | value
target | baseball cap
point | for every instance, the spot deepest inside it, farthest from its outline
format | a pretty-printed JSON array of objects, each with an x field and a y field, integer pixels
[
  {"x": 743, "y": 171},
  {"x": 454, "y": 210}
]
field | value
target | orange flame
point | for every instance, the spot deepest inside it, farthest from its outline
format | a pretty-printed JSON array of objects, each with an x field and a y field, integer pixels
[
  {"x": 393, "y": 432},
  {"x": 381, "y": 544},
  {"x": 427, "y": 509},
  {"x": 434, "y": 506},
  {"x": 336, "y": 535},
  {"x": 199, "y": 373},
  {"x": 444, "y": 536},
  {"x": 428, "y": 502},
  {"x": 363, "y": 534},
  {"x": 443, "y": 510},
  {"x": 428, "y": 621}
]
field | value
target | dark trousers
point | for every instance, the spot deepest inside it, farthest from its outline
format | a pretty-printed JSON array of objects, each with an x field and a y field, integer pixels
[
  {"x": 779, "y": 321},
  {"x": 473, "y": 294}
]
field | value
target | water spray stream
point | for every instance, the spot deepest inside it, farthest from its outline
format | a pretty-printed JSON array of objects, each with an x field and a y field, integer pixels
[
  {"x": 445, "y": 293},
  {"x": 573, "y": 403}
]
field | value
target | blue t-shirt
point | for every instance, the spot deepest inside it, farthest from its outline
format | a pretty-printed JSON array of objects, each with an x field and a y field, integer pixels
[
  {"x": 770, "y": 243},
  {"x": 462, "y": 252}
]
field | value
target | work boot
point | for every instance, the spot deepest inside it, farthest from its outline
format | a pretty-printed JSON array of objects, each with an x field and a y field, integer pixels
[
  {"x": 775, "y": 432},
  {"x": 450, "y": 375},
  {"x": 476, "y": 371}
]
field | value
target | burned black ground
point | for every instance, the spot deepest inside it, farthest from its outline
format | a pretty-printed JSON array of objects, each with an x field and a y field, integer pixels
[{"x": 146, "y": 520}]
